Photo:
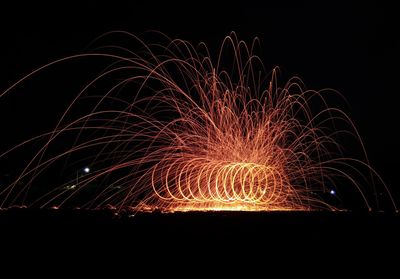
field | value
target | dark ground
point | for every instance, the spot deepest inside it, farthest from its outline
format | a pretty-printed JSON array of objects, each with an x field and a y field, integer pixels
[
  {"x": 324, "y": 229},
  {"x": 198, "y": 245}
]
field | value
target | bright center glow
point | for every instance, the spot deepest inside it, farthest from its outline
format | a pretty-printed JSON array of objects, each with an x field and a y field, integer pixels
[
  {"x": 199, "y": 184},
  {"x": 86, "y": 170}
]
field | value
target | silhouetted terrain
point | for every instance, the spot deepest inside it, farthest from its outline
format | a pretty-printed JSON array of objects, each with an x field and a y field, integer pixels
[
  {"x": 298, "y": 228},
  {"x": 228, "y": 242}
]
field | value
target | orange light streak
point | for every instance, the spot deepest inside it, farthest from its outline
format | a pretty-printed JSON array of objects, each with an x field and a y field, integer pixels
[{"x": 196, "y": 133}]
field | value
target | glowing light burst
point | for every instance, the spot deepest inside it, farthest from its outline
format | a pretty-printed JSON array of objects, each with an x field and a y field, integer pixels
[{"x": 181, "y": 131}]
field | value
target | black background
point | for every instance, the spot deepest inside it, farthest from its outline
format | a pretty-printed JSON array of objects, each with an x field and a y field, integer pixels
[
  {"x": 349, "y": 46},
  {"x": 352, "y": 47}
]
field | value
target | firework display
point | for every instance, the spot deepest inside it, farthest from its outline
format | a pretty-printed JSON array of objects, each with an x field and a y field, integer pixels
[{"x": 170, "y": 126}]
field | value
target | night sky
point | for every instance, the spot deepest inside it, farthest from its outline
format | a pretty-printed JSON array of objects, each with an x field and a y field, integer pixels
[
  {"x": 346, "y": 46},
  {"x": 351, "y": 47}
]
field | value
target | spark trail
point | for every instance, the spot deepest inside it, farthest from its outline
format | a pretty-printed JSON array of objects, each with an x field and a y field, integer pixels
[{"x": 176, "y": 130}]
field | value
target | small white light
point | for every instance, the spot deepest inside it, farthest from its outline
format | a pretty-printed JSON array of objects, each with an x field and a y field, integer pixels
[
  {"x": 86, "y": 170},
  {"x": 332, "y": 192}
]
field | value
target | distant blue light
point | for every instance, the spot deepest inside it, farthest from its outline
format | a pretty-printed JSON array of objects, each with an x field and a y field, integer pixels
[{"x": 332, "y": 192}]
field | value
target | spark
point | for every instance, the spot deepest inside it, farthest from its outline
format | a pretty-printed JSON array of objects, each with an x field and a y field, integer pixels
[{"x": 183, "y": 131}]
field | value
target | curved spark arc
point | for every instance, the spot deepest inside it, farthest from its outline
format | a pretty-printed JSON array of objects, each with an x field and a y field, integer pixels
[{"x": 195, "y": 135}]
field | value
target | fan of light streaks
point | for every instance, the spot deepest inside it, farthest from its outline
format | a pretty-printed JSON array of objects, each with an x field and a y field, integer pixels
[{"x": 174, "y": 129}]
